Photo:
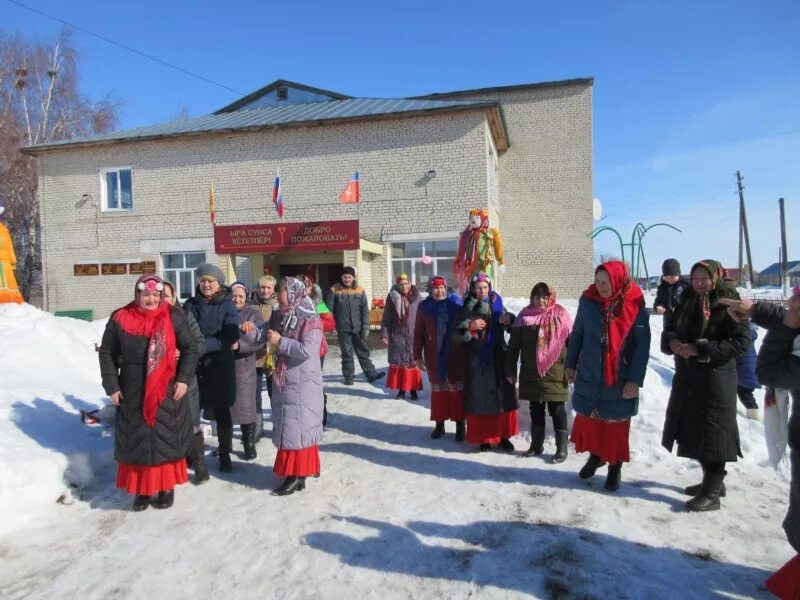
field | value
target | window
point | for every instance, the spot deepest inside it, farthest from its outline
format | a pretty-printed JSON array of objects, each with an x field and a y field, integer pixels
[
  {"x": 282, "y": 92},
  {"x": 117, "y": 189},
  {"x": 179, "y": 270},
  {"x": 422, "y": 260}
]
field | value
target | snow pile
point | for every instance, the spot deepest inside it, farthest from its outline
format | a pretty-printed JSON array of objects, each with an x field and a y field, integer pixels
[{"x": 395, "y": 514}]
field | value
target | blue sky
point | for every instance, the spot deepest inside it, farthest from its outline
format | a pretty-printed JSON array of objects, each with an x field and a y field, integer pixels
[{"x": 686, "y": 92}]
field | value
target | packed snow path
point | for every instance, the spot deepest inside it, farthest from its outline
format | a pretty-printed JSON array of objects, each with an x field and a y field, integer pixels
[{"x": 395, "y": 514}]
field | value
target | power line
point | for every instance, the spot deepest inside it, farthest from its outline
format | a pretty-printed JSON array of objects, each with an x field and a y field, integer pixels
[{"x": 124, "y": 47}]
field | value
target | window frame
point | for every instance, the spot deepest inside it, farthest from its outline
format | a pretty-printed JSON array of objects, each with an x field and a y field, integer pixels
[
  {"x": 447, "y": 260},
  {"x": 104, "y": 189},
  {"x": 178, "y": 270}
]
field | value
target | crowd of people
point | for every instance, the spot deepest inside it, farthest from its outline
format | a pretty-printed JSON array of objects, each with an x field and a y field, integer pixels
[{"x": 164, "y": 365}]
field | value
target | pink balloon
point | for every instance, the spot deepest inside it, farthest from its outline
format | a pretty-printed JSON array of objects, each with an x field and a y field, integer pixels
[{"x": 427, "y": 260}]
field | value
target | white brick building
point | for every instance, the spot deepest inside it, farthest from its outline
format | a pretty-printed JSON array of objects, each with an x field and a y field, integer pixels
[{"x": 140, "y": 197}]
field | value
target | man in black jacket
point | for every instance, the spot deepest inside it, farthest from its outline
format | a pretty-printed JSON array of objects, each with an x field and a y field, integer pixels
[
  {"x": 348, "y": 303},
  {"x": 670, "y": 290}
]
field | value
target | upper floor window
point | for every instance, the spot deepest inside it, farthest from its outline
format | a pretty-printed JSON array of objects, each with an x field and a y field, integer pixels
[
  {"x": 283, "y": 92},
  {"x": 179, "y": 269},
  {"x": 117, "y": 188}
]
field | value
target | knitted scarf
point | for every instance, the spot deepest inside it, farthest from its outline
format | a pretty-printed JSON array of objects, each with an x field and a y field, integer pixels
[
  {"x": 618, "y": 314},
  {"x": 156, "y": 325},
  {"x": 296, "y": 318},
  {"x": 696, "y": 311},
  {"x": 402, "y": 302},
  {"x": 555, "y": 325}
]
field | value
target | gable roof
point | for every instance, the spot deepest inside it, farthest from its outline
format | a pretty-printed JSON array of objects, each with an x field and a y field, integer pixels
[
  {"x": 775, "y": 268},
  {"x": 274, "y": 85},
  {"x": 511, "y": 88},
  {"x": 291, "y": 115}
]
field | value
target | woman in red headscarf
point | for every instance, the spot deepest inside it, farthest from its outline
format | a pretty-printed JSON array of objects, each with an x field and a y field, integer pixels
[
  {"x": 607, "y": 357},
  {"x": 397, "y": 332},
  {"x": 147, "y": 381}
]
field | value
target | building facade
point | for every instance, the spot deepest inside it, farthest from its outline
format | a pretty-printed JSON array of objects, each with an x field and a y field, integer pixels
[{"x": 119, "y": 204}]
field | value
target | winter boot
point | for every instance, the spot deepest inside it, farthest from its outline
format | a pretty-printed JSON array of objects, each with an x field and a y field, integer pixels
[
  {"x": 438, "y": 431},
  {"x": 537, "y": 441},
  {"x": 461, "y": 431},
  {"x": 290, "y": 485},
  {"x": 710, "y": 491},
  {"x": 485, "y": 447},
  {"x": 614, "y": 477},
  {"x": 165, "y": 499},
  {"x": 225, "y": 447},
  {"x": 694, "y": 490},
  {"x": 414, "y": 395},
  {"x": 562, "y": 446},
  {"x": 375, "y": 375},
  {"x": 324, "y": 409},
  {"x": 249, "y": 440},
  {"x": 506, "y": 445},
  {"x": 401, "y": 395},
  {"x": 140, "y": 503},
  {"x": 592, "y": 464},
  {"x": 199, "y": 458}
]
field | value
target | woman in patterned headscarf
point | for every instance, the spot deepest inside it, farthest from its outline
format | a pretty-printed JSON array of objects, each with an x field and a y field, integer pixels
[
  {"x": 295, "y": 337},
  {"x": 397, "y": 332},
  {"x": 147, "y": 381},
  {"x": 606, "y": 359},
  {"x": 701, "y": 413}
]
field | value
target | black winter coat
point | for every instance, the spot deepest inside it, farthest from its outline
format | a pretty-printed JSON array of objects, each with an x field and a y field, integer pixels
[
  {"x": 216, "y": 370},
  {"x": 349, "y": 307},
  {"x": 669, "y": 296},
  {"x": 123, "y": 364},
  {"x": 701, "y": 413}
]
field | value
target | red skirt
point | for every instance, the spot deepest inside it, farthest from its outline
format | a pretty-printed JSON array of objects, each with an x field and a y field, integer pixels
[
  {"x": 148, "y": 480},
  {"x": 447, "y": 406},
  {"x": 606, "y": 439},
  {"x": 490, "y": 429},
  {"x": 297, "y": 463},
  {"x": 785, "y": 582},
  {"x": 404, "y": 378}
]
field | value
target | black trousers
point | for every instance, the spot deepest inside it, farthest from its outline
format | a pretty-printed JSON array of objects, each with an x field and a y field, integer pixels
[
  {"x": 746, "y": 397},
  {"x": 557, "y": 412},
  {"x": 223, "y": 417},
  {"x": 351, "y": 343},
  {"x": 324, "y": 396}
]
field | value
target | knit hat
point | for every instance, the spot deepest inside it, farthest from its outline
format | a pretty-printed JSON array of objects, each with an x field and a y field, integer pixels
[
  {"x": 236, "y": 284},
  {"x": 349, "y": 271},
  {"x": 209, "y": 270},
  {"x": 671, "y": 267}
]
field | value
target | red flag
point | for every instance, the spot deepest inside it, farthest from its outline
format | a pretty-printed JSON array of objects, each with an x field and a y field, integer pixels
[
  {"x": 352, "y": 191},
  {"x": 211, "y": 206}
]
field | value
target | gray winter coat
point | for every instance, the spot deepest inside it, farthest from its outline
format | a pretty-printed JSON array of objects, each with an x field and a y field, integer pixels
[
  {"x": 401, "y": 335},
  {"x": 349, "y": 307},
  {"x": 244, "y": 409},
  {"x": 297, "y": 405}
]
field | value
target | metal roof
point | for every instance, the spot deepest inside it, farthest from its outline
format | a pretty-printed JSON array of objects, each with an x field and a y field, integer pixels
[
  {"x": 268, "y": 117},
  {"x": 775, "y": 268}
]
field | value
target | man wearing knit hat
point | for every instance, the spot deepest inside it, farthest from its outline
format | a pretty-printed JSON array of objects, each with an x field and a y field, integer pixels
[
  {"x": 348, "y": 303},
  {"x": 670, "y": 290}
]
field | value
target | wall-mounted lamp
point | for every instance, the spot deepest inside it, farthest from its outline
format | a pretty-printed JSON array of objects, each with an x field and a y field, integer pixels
[
  {"x": 87, "y": 198},
  {"x": 431, "y": 173}
]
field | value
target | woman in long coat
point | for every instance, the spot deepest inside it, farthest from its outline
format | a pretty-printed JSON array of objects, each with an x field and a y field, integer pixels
[
  {"x": 607, "y": 359},
  {"x": 251, "y": 339},
  {"x": 701, "y": 413},
  {"x": 212, "y": 308},
  {"x": 436, "y": 352},
  {"x": 397, "y": 332},
  {"x": 145, "y": 380},
  {"x": 539, "y": 342},
  {"x": 295, "y": 336},
  {"x": 490, "y": 401}
]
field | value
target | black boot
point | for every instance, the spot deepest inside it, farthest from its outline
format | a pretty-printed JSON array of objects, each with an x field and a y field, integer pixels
[
  {"x": 461, "y": 431},
  {"x": 592, "y": 464},
  {"x": 324, "y": 409},
  {"x": 375, "y": 375},
  {"x": 249, "y": 440},
  {"x": 562, "y": 446},
  {"x": 506, "y": 445},
  {"x": 225, "y": 437},
  {"x": 537, "y": 441},
  {"x": 485, "y": 447},
  {"x": 401, "y": 395},
  {"x": 290, "y": 485},
  {"x": 414, "y": 395},
  {"x": 614, "y": 477},
  {"x": 199, "y": 458},
  {"x": 694, "y": 490},
  {"x": 710, "y": 491},
  {"x": 165, "y": 499},
  {"x": 438, "y": 431},
  {"x": 140, "y": 503}
]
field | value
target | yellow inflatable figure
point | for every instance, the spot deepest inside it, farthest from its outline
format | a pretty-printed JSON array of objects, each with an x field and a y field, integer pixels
[{"x": 9, "y": 292}]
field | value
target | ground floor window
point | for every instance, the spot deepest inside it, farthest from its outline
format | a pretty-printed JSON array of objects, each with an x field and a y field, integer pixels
[
  {"x": 421, "y": 260},
  {"x": 179, "y": 270}
]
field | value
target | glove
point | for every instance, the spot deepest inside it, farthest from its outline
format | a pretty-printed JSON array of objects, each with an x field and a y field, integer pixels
[{"x": 364, "y": 334}]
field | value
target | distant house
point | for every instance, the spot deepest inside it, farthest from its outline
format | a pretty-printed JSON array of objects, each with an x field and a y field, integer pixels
[{"x": 772, "y": 274}]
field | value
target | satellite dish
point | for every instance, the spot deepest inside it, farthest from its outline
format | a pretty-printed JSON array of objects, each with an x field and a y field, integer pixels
[{"x": 597, "y": 209}]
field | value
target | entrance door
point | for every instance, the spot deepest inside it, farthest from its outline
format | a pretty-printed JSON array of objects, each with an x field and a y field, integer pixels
[{"x": 326, "y": 274}]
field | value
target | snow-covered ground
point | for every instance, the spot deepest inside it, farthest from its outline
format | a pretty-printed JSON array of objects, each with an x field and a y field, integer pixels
[{"x": 395, "y": 514}]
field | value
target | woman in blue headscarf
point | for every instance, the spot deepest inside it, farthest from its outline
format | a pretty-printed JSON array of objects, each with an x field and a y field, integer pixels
[{"x": 435, "y": 351}]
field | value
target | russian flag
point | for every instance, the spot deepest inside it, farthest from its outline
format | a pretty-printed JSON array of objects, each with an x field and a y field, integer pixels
[{"x": 277, "y": 194}]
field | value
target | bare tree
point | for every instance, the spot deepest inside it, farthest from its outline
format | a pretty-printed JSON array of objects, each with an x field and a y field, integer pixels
[{"x": 39, "y": 103}]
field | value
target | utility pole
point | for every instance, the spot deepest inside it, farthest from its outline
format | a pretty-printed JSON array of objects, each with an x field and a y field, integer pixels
[
  {"x": 745, "y": 232},
  {"x": 784, "y": 253}
]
